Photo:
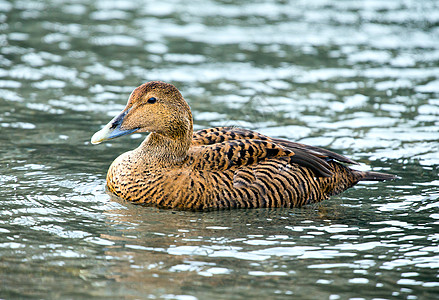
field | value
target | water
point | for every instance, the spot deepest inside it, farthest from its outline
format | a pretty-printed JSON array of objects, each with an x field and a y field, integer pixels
[{"x": 358, "y": 77}]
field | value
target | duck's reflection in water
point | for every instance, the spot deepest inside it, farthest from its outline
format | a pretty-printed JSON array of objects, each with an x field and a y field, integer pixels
[{"x": 179, "y": 252}]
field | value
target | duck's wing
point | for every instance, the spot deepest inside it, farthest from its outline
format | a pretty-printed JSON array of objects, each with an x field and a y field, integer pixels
[
  {"x": 244, "y": 152},
  {"x": 320, "y": 152},
  {"x": 221, "y": 134}
]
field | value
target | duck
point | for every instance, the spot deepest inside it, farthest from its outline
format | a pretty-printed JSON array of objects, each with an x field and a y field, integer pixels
[{"x": 216, "y": 168}]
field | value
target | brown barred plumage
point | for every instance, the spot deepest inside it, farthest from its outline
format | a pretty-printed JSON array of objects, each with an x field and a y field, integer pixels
[{"x": 215, "y": 168}]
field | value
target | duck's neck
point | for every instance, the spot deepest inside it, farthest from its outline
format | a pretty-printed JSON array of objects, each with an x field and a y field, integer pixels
[{"x": 164, "y": 150}]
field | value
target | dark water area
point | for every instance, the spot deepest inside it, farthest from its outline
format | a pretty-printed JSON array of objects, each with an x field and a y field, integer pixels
[{"x": 358, "y": 77}]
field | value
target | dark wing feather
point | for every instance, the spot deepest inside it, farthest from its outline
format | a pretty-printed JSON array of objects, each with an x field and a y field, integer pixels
[
  {"x": 320, "y": 152},
  {"x": 308, "y": 156},
  {"x": 319, "y": 166},
  {"x": 303, "y": 155},
  {"x": 222, "y": 156}
]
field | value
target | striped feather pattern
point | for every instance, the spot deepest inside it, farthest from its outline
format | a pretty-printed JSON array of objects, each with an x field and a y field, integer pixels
[{"x": 218, "y": 168}]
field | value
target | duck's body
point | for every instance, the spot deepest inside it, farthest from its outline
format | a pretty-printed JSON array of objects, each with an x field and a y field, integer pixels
[{"x": 216, "y": 168}]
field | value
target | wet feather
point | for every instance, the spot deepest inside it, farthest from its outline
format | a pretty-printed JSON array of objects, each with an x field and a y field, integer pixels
[{"x": 216, "y": 168}]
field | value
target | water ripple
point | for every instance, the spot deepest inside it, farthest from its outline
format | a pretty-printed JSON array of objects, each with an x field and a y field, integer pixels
[{"x": 360, "y": 78}]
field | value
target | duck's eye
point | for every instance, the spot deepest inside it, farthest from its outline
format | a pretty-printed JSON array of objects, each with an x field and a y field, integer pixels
[{"x": 152, "y": 100}]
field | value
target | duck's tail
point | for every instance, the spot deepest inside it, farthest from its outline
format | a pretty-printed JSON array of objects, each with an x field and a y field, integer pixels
[{"x": 376, "y": 176}]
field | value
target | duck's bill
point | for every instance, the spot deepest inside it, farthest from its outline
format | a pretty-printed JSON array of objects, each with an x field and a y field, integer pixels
[
  {"x": 107, "y": 133},
  {"x": 112, "y": 130}
]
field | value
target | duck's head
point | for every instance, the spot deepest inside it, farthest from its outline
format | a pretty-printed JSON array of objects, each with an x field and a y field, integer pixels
[{"x": 152, "y": 107}]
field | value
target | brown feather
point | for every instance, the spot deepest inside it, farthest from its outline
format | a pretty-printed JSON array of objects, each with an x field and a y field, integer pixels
[{"x": 223, "y": 167}]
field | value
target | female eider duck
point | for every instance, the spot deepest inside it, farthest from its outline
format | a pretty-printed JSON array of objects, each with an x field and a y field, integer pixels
[{"x": 222, "y": 167}]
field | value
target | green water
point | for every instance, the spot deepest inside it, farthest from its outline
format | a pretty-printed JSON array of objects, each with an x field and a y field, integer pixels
[{"x": 358, "y": 77}]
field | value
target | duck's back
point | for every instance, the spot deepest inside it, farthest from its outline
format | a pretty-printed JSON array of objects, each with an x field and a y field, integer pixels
[{"x": 236, "y": 168}]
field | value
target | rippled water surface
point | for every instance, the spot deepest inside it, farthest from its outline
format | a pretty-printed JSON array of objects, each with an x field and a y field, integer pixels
[{"x": 358, "y": 77}]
